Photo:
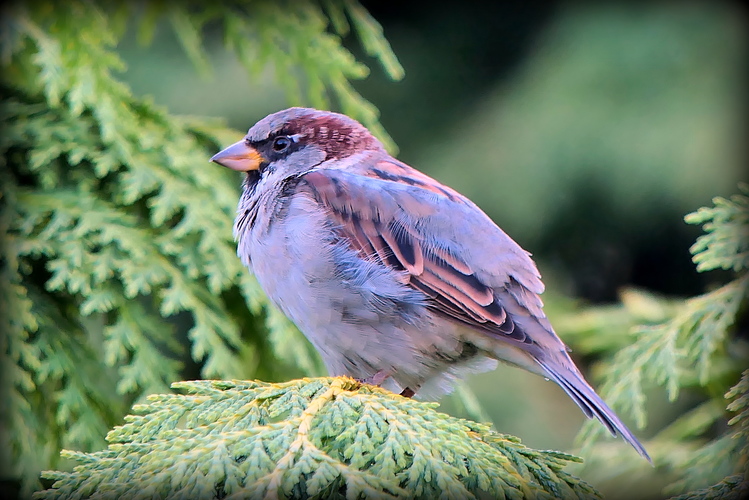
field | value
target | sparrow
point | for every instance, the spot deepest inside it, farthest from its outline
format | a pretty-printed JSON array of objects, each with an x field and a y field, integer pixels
[{"x": 396, "y": 279}]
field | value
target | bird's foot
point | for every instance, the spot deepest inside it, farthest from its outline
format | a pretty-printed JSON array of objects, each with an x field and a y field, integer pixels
[
  {"x": 380, "y": 377},
  {"x": 376, "y": 379}
]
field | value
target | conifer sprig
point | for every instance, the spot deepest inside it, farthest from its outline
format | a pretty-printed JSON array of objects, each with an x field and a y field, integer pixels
[
  {"x": 330, "y": 438},
  {"x": 681, "y": 345}
]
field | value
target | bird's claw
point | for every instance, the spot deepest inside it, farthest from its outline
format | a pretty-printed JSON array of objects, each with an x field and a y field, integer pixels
[{"x": 376, "y": 379}]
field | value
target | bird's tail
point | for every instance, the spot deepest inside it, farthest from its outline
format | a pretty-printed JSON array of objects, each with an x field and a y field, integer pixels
[{"x": 573, "y": 383}]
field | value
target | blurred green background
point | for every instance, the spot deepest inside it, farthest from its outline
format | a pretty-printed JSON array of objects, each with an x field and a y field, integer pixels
[{"x": 586, "y": 131}]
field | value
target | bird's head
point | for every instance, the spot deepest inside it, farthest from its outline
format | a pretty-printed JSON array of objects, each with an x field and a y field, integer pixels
[{"x": 294, "y": 141}]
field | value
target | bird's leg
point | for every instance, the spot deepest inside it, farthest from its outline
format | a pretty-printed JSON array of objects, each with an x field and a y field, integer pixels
[
  {"x": 408, "y": 392},
  {"x": 380, "y": 377},
  {"x": 376, "y": 379}
]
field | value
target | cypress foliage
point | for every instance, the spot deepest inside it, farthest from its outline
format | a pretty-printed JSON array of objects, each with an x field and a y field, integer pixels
[
  {"x": 326, "y": 438},
  {"x": 115, "y": 227}
]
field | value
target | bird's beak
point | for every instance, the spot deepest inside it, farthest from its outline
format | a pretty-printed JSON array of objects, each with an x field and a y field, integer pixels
[{"x": 240, "y": 156}]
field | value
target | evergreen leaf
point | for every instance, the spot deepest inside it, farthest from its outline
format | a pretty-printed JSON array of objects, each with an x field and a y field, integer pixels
[
  {"x": 188, "y": 32},
  {"x": 726, "y": 244},
  {"x": 373, "y": 41}
]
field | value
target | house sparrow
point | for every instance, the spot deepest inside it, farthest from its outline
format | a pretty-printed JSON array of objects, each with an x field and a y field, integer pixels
[{"x": 396, "y": 279}]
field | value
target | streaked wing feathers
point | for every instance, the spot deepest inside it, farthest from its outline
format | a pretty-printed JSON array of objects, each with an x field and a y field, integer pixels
[{"x": 372, "y": 222}]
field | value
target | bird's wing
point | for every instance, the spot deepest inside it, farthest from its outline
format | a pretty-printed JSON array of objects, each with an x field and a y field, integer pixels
[{"x": 403, "y": 219}]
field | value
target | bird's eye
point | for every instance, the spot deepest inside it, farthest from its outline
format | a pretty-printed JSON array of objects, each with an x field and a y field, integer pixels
[{"x": 281, "y": 144}]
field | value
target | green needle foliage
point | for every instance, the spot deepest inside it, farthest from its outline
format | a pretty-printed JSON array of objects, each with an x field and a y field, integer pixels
[
  {"x": 326, "y": 438},
  {"x": 116, "y": 231},
  {"x": 682, "y": 345},
  {"x": 735, "y": 444}
]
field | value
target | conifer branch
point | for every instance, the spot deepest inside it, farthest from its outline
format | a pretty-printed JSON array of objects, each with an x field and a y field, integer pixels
[
  {"x": 682, "y": 344},
  {"x": 331, "y": 438}
]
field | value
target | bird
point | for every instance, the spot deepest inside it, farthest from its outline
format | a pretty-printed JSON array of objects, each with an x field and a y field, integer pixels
[{"x": 396, "y": 279}]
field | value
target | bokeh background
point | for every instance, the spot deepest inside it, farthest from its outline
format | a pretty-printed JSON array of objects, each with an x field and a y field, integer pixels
[{"x": 585, "y": 130}]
